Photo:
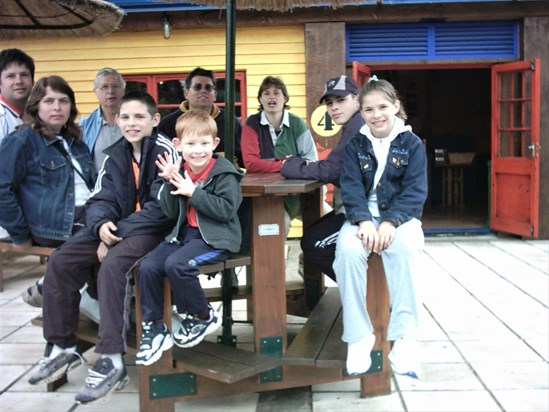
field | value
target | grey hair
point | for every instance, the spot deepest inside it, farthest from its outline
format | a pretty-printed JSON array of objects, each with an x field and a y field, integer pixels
[{"x": 105, "y": 71}]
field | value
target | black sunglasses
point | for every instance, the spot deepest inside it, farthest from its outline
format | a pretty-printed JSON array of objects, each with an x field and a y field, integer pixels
[{"x": 198, "y": 86}]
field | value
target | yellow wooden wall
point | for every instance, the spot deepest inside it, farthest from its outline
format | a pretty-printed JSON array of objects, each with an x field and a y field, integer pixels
[{"x": 260, "y": 51}]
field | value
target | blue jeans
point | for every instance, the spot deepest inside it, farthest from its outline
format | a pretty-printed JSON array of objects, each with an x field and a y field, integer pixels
[{"x": 400, "y": 261}]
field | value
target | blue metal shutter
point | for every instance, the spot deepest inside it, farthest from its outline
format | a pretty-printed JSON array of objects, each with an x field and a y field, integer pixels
[{"x": 433, "y": 41}]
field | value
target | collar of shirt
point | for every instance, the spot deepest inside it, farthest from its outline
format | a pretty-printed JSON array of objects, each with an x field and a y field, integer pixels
[
  {"x": 285, "y": 119},
  {"x": 11, "y": 106}
]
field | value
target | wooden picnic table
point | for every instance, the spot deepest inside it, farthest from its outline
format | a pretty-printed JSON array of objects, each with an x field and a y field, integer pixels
[
  {"x": 267, "y": 191},
  {"x": 316, "y": 354}
]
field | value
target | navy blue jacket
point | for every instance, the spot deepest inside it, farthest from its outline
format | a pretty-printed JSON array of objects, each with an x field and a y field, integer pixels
[
  {"x": 114, "y": 196},
  {"x": 37, "y": 185},
  {"x": 402, "y": 189}
]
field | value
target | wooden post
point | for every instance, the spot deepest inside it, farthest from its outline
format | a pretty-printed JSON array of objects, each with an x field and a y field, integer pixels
[{"x": 377, "y": 297}]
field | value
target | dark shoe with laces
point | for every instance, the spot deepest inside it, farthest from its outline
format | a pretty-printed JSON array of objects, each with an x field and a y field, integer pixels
[
  {"x": 103, "y": 379},
  {"x": 155, "y": 339},
  {"x": 193, "y": 330},
  {"x": 33, "y": 295},
  {"x": 49, "y": 370}
]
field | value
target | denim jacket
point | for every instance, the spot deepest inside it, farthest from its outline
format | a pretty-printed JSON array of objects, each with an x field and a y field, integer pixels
[
  {"x": 402, "y": 189},
  {"x": 91, "y": 126},
  {"x": 37, "y": 192}
]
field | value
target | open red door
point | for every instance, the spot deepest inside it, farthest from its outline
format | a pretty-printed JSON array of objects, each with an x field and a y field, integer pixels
[
  {"x": 514, "y": 201},
  {"x": 361, "y": 73}
]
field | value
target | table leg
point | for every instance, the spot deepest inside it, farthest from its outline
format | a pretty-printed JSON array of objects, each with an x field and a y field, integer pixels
[{"x": 268, "y": 272}]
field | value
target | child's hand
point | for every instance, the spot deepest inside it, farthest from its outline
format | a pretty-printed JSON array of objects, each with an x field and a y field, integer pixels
[
  {"x": 386, "y": 232},
  {"x": 368, "y": 233},
  {"x": 184, "y": 184},
  {"x": 167, "y": 168},
  {"x": 106, "y": 234}
]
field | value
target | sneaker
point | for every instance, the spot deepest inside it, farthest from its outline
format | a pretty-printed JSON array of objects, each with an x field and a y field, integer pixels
[
  {"x": 89, "y": 307},
  {"x": 155, "y": 339},
  {"x": 300, "y": 265},
  {"x": 49, "y": 370},
  {"x": 359, "y": 359},
  {"x": 103, "y": 379},
  {"x": 234, "y": 279},
  {"x": 193, "y": 330},
  {"x": 403, "y": 358},
  {"x": 33, "y": 295}
]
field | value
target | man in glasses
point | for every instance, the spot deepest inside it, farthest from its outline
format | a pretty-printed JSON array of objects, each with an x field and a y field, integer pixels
[
  {"x": 99, "y": 128},
  {"x": 200, "y": 93}
]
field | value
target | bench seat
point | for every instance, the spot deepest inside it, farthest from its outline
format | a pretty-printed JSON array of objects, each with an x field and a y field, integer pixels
[
  {"x": 221, "y": 362},
  {"x": 6, "y": 250},
  {"x": 319, "y": 343}
]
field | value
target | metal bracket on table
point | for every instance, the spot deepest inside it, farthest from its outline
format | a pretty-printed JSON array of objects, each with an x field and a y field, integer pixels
[
  {"x": 271, "y": 346},
  {"x": 172, "y": 385}
]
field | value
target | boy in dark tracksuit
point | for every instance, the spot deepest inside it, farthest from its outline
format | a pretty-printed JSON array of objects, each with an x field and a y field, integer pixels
[
  {"x": 319, "y": 240},
  {"x": 203, "y": 195},
  {"x": 123, "y": 223}
]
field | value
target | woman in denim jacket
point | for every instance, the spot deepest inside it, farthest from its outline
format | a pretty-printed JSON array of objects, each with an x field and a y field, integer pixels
[
  {"x": 47, "y": 172},
  {"x": 383, "y": 187}
]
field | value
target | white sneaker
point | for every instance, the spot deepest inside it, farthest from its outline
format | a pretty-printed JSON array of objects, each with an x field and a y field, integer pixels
[
  {"x": 358, "y": 355},
  {"x": 404, "y": 358},
  {"x": 89, "y": 306}
]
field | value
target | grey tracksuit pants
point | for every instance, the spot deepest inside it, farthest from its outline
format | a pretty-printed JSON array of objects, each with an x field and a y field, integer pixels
[{"x": 400, "y": 261}]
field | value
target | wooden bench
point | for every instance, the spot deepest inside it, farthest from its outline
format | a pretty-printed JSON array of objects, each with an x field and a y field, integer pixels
[
  {"x": 316, "y": 355},
  {"x": 319, "y": 343},
  {"x": 236, "y": 363},
  {"x": 6, "y": 250}
]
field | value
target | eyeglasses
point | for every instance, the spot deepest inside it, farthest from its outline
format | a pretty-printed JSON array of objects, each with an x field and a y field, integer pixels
[
  {"x": 198, "y": 86},
  {"x": 113, "y": 87}
]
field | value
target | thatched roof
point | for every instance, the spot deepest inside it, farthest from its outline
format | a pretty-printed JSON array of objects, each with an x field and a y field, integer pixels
[
  {"x": 276, "y": 5},
  {"x": 63, "y": 18}
]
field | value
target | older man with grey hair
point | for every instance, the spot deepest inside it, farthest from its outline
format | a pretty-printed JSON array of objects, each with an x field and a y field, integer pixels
[{"x": 99, "y": 127}]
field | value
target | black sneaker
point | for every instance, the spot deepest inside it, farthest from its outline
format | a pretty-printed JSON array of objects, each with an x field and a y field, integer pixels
[
  {"x": 49, "y": 370},
  {"x": 155, "y": 339},
  {"x": 33, "y": 295},
  {"x": 103, "y": 379},
  {"x": 193, "y": 330}
]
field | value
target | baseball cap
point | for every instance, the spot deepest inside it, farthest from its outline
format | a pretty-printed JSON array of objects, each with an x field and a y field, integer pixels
[{"x": 339, "y": 86}]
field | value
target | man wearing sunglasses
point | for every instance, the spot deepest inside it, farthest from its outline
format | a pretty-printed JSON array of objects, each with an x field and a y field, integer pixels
[{"x": 200, "y": 93}]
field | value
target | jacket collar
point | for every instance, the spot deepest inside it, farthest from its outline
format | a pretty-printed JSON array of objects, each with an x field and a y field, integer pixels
[{"x": 214, "y": 112}]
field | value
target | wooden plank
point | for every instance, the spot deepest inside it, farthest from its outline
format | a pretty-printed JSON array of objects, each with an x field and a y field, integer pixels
[
  {"x": 269, "y": 295},
  {"x": 223, "y": 363},
  {"x": 334, "y": 351},
  {"x": 373, "y": 384},
  {"x": 309, "y": 342},
  {"x": 237, "y": 261}
]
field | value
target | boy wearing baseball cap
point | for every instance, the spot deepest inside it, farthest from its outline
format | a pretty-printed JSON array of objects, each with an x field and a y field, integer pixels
[{"x": 319, "y": 240}]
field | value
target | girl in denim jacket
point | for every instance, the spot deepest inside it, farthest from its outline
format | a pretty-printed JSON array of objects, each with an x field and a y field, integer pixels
[{"x": 383, "y": 187}]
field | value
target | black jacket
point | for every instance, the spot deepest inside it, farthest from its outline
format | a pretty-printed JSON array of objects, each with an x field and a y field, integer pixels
[
  {"x": 329, "y": 169},
  {"x": 114, "y": 196}
]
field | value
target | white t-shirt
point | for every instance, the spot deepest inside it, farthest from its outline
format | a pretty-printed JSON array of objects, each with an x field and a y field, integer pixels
[{"x": 8, "y": 120}]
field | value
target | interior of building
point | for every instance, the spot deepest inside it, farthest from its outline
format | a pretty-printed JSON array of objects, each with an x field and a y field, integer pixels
[{"x": 450, "y": 110}]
